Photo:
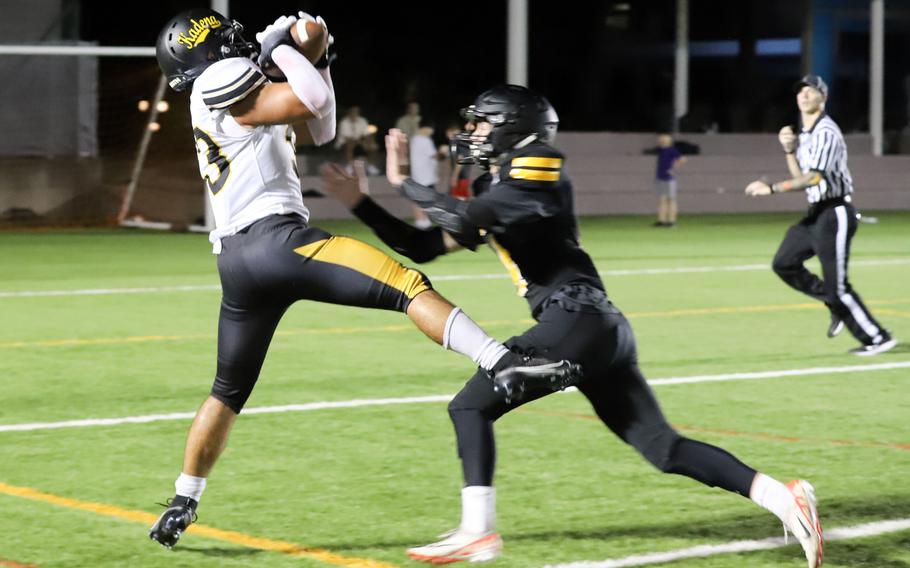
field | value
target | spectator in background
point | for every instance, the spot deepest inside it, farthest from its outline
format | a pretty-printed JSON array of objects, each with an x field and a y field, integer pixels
[
  {"x": 459, "y": 174},
  {"x": 409, "y": 122},
  {"x": 425, "y": 157},
  {"x": 669, "y": 159},
  {"x": 354, "y": 132}
]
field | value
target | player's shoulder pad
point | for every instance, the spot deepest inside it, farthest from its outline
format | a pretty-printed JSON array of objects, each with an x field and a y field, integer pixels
[
  {"x": 536, "y": 165},
  {"x": 227, "y": 81}
]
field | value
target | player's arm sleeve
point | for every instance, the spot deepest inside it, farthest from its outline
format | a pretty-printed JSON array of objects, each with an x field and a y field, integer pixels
[
  {"x": 417, "y": 244},
  {"x": 229, "y": 81},
  {"x": 444, "y": 211},
  {"x": 322, "y": 130},
  {"x": 305, "y": 81}
]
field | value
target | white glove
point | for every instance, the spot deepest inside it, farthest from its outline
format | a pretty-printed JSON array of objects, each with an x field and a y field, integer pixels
[
  {"x": 274, "y": 34},
  {"x": 282, "y": 25}
]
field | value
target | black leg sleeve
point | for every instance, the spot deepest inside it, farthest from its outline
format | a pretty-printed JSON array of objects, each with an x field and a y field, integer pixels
[
  {"x": 713, "y": 466},
  {"x": 626, "y": 404},
  {"x": 473, "y": 411}
]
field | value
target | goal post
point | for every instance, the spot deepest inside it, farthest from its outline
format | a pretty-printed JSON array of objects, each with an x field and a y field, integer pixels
[{"x": 99, "y": 142}]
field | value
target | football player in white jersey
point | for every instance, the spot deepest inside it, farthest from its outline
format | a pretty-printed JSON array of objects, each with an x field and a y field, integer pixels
[{"x": 268, "y": 255}]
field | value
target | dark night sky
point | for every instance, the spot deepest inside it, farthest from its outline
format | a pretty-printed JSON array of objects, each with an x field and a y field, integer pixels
[
  {"x": 601, "y": 72},
  {"x": 389, "y": 52}
]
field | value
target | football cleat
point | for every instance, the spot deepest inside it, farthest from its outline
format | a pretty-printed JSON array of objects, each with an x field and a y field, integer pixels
[
  {"x": 803, "y": 523},
  {"x": 521, "y": 375},
  {"x": 875, "y": 348},
  {"x": 837, "y": 326},
  {"x": 180, "y": 513},
  {"x": 457, "y": 546}
]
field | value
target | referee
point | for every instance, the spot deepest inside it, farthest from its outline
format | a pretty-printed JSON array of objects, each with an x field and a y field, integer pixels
[{"x": 817, "y": 160}]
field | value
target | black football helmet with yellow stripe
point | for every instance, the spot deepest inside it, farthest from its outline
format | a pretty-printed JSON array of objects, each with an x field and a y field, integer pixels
[
  {"x": 193, "y": 40},
  {"x": 515, "y": 113}
]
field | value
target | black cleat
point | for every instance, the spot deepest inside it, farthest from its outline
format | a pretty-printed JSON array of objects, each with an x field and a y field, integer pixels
[
  {"x": 837, "y": 326},
  {"x": 180, "y": 513},
  {"x": 520, "y": 375}
]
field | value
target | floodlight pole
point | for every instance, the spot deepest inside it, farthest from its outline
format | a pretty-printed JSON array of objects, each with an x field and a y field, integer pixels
[
  {"x": 681, "y": 71},
  {"x": 876, "y": 73},
  {"x": 221, "y": 6},
  {"x": 127, "y": 202},
  {"x": 517, "y": 52}
]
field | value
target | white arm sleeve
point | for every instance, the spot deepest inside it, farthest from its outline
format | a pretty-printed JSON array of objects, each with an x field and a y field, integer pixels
[
  {"x": 322, "y": 130},
  {"x": 305, "y": 81}
]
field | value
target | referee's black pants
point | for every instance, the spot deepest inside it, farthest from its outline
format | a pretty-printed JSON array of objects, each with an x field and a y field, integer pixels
[
  {"x": 278, "y": 260},
  {"x": 826, "y": 232},
  {"x": 587, "y": 329}
]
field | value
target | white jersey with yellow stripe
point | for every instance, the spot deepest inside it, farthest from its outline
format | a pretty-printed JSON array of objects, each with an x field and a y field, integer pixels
[{"x": 250, "y": 172}]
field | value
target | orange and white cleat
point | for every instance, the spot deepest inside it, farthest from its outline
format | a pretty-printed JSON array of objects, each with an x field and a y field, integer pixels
[
  {"x": 457, "y": 546},
  {"x": 802, "y": 521}
]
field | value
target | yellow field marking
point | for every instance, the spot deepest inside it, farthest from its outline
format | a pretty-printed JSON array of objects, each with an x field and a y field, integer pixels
[
  {"x": 893, "y": 312},
  {"x": 409, "y": 326},
  {"x": 13, "y": 564},
  {"x": 232, "y": 537}
]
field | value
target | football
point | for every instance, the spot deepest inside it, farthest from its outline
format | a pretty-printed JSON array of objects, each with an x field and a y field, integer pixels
[
  {"x": 314, "y": 44},
  {"x": 312, "y": 47}
]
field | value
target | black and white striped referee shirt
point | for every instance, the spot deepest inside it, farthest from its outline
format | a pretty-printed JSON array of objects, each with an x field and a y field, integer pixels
[{"x": 822, "y": 149}]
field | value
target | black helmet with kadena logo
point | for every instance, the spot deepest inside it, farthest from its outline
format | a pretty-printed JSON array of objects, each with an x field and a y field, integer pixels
[{"x": 193, "y": 40}]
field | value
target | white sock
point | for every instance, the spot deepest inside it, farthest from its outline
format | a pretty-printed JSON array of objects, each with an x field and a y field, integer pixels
[
  {"x": 478, "y": 509},
  {"x": 771, "y": 494},
  {"x": 190, "y": 486},
  {"x": 463, "y": 336}
]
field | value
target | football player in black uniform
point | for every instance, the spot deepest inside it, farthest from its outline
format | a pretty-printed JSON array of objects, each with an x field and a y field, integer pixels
[{"x": 524, "y": 212}]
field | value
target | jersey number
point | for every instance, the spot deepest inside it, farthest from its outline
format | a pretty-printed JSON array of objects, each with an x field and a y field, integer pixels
[{"x": 213, "y": 164}]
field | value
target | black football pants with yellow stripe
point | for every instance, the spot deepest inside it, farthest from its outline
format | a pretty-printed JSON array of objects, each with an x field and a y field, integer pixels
[
  {"x": 278, "y": 260},
  {"x": 578, "y": 324}
]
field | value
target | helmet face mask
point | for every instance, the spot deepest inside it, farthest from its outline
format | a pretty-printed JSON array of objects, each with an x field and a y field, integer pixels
[
  {"x": 472, "y": 145},
  {"x": 193, "y": 40},
  {"x": 515, "y": 115}
]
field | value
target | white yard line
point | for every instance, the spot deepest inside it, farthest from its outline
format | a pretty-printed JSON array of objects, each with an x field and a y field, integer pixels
[
  {"x": 739, "y": 546},
  {"x": 108, "y": 291},
  {"x": 441, "y": 278},
  {"x": 25, "y": 427}
]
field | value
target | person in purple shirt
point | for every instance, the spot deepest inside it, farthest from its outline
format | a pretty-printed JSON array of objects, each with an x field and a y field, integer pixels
[{"x": 669, "y": 159}]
